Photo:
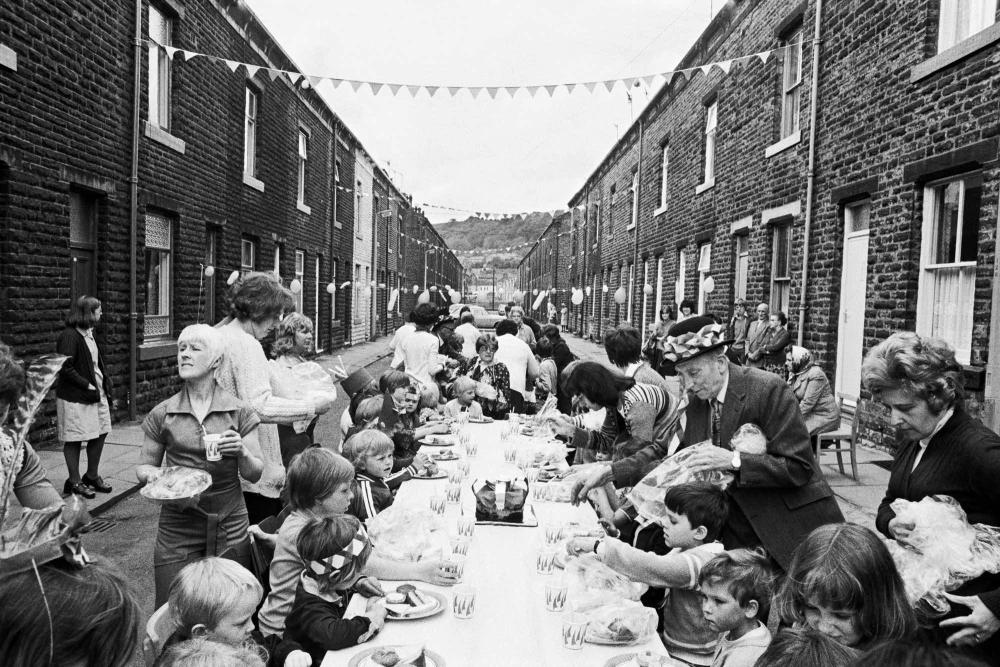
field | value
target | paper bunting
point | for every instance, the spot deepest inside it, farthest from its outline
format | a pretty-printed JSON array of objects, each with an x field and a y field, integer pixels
[{"x": 313, "y": 80}]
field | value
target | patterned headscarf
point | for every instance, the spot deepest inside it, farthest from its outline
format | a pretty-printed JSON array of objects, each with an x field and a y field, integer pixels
[
  {"x": 801, "y": 359},
  {"x": 350, "y": 557}
]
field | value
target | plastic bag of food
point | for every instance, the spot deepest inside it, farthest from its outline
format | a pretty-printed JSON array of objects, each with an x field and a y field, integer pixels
[
  {"x": 593, "y": 584},
  {"x": 408, "y": 534},
  {"x": 944, "y": 551},
  {"x": 621, "y": 623},
  {"x": 547, "y": 410},
  {"x": 647, "y": 495},
  {"x": 307, "y": 381},
  {"x": 749, "y": 439},
  {"x": 501, "y": 497}
]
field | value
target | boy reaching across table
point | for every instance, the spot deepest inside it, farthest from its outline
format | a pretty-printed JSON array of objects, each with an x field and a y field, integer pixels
[{"x": 694, "y": 516}]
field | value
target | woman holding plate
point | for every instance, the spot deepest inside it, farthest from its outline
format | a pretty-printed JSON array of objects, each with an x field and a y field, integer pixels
[{"x": 214, "y": 523}]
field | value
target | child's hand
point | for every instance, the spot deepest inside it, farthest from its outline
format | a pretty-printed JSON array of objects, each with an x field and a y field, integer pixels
[
  {"x": 298, "y": 659},
  {"x": 436, "y": 571},
  {"x": 609, "y": 528},
  {"x": 376, "y": 612},
  {"x": 580, "y": 545},
  {"x": 369, "y": 587}
]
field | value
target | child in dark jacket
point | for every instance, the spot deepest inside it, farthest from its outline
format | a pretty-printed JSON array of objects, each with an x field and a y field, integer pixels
[
  {"x": 370, "y": 452},
  {"x": 336, "y": 550}
]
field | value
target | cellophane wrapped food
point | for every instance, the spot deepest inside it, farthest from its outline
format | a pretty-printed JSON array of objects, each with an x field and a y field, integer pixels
[
  {"x": 408, "y": 534},
  {"x": 749, "y": 439},
  {"x": 945, "y": 551},
  {"x": 307, "y": 381},
  {"x": 501, "y": 497},
  {"x": 620, "y": 623},
  {"x": 592, "y": 584},
  {"x": 647, "y": 495}
]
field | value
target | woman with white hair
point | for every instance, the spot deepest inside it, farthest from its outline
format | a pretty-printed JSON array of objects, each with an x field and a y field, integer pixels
[{"x": 215, "y": 522}]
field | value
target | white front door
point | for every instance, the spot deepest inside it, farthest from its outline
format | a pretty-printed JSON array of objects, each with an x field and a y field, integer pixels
[{"x": 853, "y": 284}]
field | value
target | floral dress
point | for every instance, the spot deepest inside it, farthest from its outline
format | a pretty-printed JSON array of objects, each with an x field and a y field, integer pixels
[{"x": 497, "y": 376}]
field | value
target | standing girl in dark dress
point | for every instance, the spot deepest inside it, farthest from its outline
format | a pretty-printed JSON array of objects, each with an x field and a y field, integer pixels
[{"x": 82, "y": 408}]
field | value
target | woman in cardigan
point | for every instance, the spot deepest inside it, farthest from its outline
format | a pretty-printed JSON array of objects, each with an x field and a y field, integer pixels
[
  {"x": 817, "y": 404},
  {"x": 82, "y": 408},
  {"x": 258, "y": 303},
  {"x": 943, "y": 450},
  {"x": 771, "y": 353},
  {"x": 492, "y": 377}
]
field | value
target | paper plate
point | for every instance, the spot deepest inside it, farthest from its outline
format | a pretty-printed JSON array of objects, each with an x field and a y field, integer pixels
[
  {"x": 442, "y": 603},
  {"x": 363, "y": 659},
  {"x": 441, "y": 474},
  {"x": 590, "y": 639},
  {"x": 481, "y": 420},
  {"x": 445, "y": 455},
  {"x": 436, "y": 441},
  {"x": 628, "y": 660},
  {"x": 176, "y": 483}
]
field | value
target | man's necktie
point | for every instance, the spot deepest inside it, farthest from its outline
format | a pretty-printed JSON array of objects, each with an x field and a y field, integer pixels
[{"x": 716, "y": 422}]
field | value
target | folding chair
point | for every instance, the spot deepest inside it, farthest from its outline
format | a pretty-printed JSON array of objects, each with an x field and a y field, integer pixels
[
  {"x": 158, "y": 629},
  {"x": 837, "y": 437}
]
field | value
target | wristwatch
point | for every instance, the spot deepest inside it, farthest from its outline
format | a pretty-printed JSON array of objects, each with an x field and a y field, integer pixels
[{"x": 736, "y": 461}]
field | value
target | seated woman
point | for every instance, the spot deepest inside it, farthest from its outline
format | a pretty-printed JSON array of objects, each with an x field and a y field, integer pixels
[
  {"x": 492, "y": 377},
  {"x": 819, "y": 408},
  {"x": 624, "y": 348},
  {"x": 943, "y": 450},
  {"x": 216, "y": 523}
]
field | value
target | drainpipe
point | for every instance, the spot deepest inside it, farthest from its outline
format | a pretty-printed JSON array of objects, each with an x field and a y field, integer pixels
[
  {"x": 811, "y": 173},
  {"x": 133, "y": 221},
  {"x": 635, "y": 247},
  {"x": 333, "y": 237}
]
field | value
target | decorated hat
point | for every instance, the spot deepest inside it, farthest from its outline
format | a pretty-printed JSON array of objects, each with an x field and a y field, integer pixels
[
  {"x": 357, "y": 381},
  {"x": 692, "y": 338},
  {"x": 335, "y": 547}
]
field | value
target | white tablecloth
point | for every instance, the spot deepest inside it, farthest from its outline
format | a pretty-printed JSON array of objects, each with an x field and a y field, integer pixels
[{"x": 511, "y": 625}]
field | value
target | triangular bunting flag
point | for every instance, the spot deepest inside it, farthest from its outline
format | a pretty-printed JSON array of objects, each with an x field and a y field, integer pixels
[
  {"x": 274, "y": 73},
  {"x": 171, "y": 50},
  {"x": 394, "y": 88},
  {"x": 725, "y": 65},
  {"x": 590, "y": 85},
  {"x": 763, "y": 56},
  {"x": 648, "y": 80},
  {"x": 532, "y": 90},
  {"x": 610, "y": 84},
  {"x": 375, "y": 87},
  {"x": 475, "y": 92},
  {"x": 316, "y": 80},
  {"x": 294, "y": 76},
  {"x": 630, "y": 82},
  {"x": 432, "y": 89},
  {"x": 570, "y": 87},
  {"x": 551, "y": 90},
  {"x": 492, "y": 90},
  {"x": 232, "y": 65},
  {"x": 511, "y": 90},
  {"x": 413, "y": 90},
  {"x": 453, "y": 90},
  {"x": 355, "y": 84},
  {"x": 252, "y": 70},
  {"x": 188, "y": 55},
  {"x": 335, "y": 82}
]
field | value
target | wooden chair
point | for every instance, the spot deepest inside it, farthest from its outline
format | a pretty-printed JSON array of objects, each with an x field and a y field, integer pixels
[
  {"x": 842, "y": 434},
  {"x": 158, "y": 629}
]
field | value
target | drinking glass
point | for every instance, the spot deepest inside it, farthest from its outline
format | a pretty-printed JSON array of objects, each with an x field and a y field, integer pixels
[
  {"x": 453, "y": 493},
  {"x": 466, "y": 526},
  {"x": 553, "y": 533},
  {"x": 455, "y": 475},
  {"x": 574, "y": 631},
  {"x": 460, "y": 545},
  {"x": 546, "y": 561},
  {"x": 539, "y": 491},
  {"x": 555, "y": 595},
  {"x": 463, "y": 602},
  {"x": 455, "y": 563},
  {"x": 437, "y": 503},
  {"x": 464, "y": 467},
  {"x": 510, "y": 454}
]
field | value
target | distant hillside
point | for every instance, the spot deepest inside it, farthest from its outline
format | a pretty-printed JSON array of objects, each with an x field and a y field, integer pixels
[{"x": 474, "y": 233}]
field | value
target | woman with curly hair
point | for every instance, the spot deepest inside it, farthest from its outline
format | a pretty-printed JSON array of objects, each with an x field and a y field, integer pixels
[
  {"x": 492, "y": 378},
  {"x": 293, "y": 340},
  {"x": 943, "y": 450}
]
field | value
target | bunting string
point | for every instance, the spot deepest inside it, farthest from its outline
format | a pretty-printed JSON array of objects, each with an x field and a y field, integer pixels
[{"x": 476, "y": 91}]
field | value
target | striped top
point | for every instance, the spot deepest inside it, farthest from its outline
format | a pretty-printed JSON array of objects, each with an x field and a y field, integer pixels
[{"x": 371, "y": 496}]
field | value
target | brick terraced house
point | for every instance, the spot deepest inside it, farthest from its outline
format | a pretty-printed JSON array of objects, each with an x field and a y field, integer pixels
[
  {"x": 851, "y": 181},
  {"x": 127, "y": 168}
]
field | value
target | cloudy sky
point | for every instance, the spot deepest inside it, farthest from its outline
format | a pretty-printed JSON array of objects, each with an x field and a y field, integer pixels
[{"x": 496, "y": 155}]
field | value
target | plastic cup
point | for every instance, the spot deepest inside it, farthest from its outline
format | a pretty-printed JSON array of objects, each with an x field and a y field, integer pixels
[
  {"x": 463, "y": 602},
  {"x": 539, "y": 490},
  {"x": 553, "y": 533},
  {"x": 466, "y": 526},
  {"x": 464, "y": 467},
  {"x": 211, "y": 442},
  {"x": 455, "y": 563},
  {"x": 510, "y": 454},
  {"x": 437, "y": 504},
  {"x": 555, "y": 595},
  {"x": 460, "y": 545},
  {"x": 574, "y": 631},
  {"x": 532, "y": 474},
  {"x": 545, "y": 562},
  {"x": 453, "y": 494},
  {"x": 455, "y": 476}
]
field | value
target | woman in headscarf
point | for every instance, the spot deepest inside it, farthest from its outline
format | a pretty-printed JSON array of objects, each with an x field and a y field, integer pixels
[{"x": 817, "y": 403}]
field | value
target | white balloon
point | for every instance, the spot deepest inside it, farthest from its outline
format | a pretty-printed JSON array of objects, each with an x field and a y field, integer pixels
[
  {"x": 647, "y": 289},
  {"x": 346, "y": 283},
  {"x": 534, "y": 291},
  {"x": 621, "y": 295},
  {"x": 392, "y": 299},
  {"x": 209, "y": 271},
  {"x": 295, "y": 287},
  {"x": 331, "y": 288},
  {"x": 415, "y": 289},
  {"x": 577, "y": 297},
  {"x": 588, "y": 290},
  {"x": 539, "y": 300},
  {"x": 233, "y": 277},
  {"x": 604, "y": 288},
  {"x": 434, "y": 288},
  {"x": 709, "y": 284},
  {"x": 424, "y": 297}
]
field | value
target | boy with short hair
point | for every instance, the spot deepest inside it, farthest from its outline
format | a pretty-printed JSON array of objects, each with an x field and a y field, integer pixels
[
  {"x": 736, "y": 588},
  {"x": 370, "y": 452},
  {"x": 463, "y": 391},
  {"x": 692, "y": 521}
]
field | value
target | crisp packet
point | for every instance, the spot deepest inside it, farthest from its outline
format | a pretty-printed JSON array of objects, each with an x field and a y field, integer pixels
[
  {"x": 749, "y": 439},
  {"x": 593, "y": 584},
  {"x": 620, "y": 623}
]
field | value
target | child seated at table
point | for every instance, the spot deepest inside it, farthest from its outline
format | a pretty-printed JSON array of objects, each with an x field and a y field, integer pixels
[
  {"x": 792, "y": 647},
  {"x": 463, "y": 391},
  {"x": 336, "y": 550},
  {"x": 210, "y": 650},
  {"x": 694, "y": 516},
  {"x": 370, "y": 452},
  {"x": 217, "y": 597},
  {"x": 366, "y": 417},
  {"x": 736, "y": 588},
  {"x": 400, "y": 422}
]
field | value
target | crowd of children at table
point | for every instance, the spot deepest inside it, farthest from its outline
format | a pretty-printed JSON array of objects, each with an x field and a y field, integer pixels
[{"x": 841, "y": 602}]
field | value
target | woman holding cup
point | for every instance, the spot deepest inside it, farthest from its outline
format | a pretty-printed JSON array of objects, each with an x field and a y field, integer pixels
[{"x": 206, "y": 428}]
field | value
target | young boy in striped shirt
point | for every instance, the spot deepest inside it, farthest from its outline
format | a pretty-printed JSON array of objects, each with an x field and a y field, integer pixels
[{"x": 370, "y": 452}]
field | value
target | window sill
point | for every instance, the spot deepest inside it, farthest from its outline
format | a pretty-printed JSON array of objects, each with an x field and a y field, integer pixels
[
  {"x": 630, "y": 227},
  {"x": 660, "y": 211},
  {"x": 948, "y": 57},
  {"x": 783, "y": 145},
  {"x": 304, "y": 208},
  {"x": 158, "y": 349},
  {"x": 338, "y": 225},
  {"x": 161, "y": 136},
  {"x": 255, "y": 183},
  {"x": 707, "y": 185}
]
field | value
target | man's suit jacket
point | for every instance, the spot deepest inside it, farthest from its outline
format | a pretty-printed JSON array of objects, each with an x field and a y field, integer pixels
[
  {"x": 755, "y": 339},
  {"x": 782, "y": 493}
]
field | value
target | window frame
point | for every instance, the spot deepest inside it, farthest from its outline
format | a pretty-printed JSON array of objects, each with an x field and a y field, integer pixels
[
  {"x": 711, "y": 145},
  {"x": 276, "y": 267},
  {"x": 158, "y": 89},
  {"x": 680, "y": 284},
  {"x": 300, "y": 275},
  {"x": 741, "y": 265},
  {"x": 704, "y": 270},
  {"x": 211, "y": 259},
  {"x": 791, "y": 90},
  {"x": 664, "y": 175},
  {"x": 303, "y": 163},
  {"x": 251, "y": 109},
  {"x": 781, "y": 285},
  {"x": 165, "y": 261},
  {"x": 948, "y": 11},
  {"x": 612, "y": 197},
  {"x": 634, "y": 201},
  {"x": 245, "y": 245}
]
